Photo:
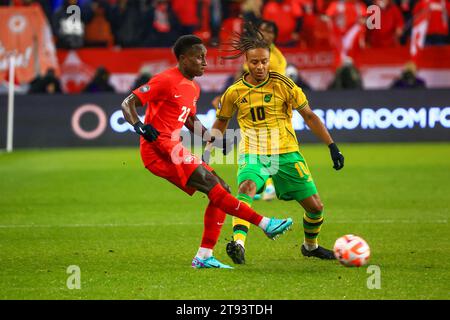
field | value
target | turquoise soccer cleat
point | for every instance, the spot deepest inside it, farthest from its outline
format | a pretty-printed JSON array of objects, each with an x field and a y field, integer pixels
[
  {"x": 210, "y": 262},
  {"x": 277, "y": 227}
]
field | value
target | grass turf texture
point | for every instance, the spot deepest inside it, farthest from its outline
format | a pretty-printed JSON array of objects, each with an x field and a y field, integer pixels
[{"x": 133, "y": 235}]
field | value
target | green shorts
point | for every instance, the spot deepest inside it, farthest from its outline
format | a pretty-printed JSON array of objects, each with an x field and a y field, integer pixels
[{"x": 289, "y": 171}]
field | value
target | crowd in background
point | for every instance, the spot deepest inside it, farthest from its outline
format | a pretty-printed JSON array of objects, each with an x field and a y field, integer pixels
[
  {"x": 303, "y": 23},
  {"x": 300, "y": 23}
]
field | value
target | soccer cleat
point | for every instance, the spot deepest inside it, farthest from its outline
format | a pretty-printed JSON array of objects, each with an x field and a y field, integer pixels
[
  {"x": 320, "y": 253},
  {"x": 236, "y": 252},
  {"x": 277, "y": 227},
  {"x": 210, "y": 262},
  {"x": 257, "y": 196},
  {"x": 269, "y": 193}
]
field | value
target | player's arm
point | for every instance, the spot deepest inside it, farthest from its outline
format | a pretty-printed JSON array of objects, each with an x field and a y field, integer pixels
[
  {"x": 193, "y": 123},
  {"x": 318, "y": 128},
  {"x": 130, "y": 114}
]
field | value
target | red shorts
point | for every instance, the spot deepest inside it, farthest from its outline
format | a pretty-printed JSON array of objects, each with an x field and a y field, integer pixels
[{"x": 174, "y": 163}]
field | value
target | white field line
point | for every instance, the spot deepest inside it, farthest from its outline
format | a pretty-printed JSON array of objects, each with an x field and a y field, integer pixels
[{"x": 147, "y": 224}]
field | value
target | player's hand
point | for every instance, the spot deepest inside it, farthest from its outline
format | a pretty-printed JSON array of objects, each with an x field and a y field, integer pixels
[
  {"x": 146, "y": 130},
  {"x": 336, "y": 156}
]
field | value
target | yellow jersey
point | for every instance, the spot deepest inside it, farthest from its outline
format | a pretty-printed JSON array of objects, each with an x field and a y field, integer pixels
[
  {"x": 277, "y": 61},
  {"x": 264, "y": 113}
]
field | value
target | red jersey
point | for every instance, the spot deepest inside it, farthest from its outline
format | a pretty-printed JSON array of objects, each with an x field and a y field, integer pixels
[
  {"x": 170, "y": 100},
  {"x": 439, "y": 13}
]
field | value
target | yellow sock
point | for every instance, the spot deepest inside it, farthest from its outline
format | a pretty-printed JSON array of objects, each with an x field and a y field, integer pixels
[{"x": 241, "y": 227}]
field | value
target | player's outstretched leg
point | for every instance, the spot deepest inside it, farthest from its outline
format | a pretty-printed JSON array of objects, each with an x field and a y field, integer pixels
[
  {"x": 272, "y": 227},
  {"x": 213, "y": 221},
  {"x": 206, "y": 182}
]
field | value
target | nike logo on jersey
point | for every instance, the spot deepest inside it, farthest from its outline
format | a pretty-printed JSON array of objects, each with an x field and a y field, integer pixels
[{"x": 177, "y": 95}]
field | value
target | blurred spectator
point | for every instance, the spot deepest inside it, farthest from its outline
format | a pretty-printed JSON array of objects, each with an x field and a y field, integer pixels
[
  {"x": 345, "y": 15},
  {"x": 100, "y": 82},
  {"x": 347, "y": 76},
  {"x": 294, "y": 75},
  {"x": 287, "y": 15},
  {"x": 48, "y": 83},
  {"x": 252, "y": 10},
  {"x": 231, "y": 24},
  {"x": 216, "y": 17},
  {"x": 438, "y": 25},
  {"x": 144, "y": 76},
  {"x": 187, "y": 15},
  {"x": 126, "y": 23},
  {"x": 309, "y": 23},
  {"x": 161, "y": 26},
  {"x": 98, "y": 28},
  {"x": 408, "y": 79},
  {"x": 68, "y": 30},
  {"x": 391, "y": 26}
]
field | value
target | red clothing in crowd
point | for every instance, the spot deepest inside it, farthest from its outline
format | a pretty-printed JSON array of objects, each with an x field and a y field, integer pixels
[
  {"x": 285, "y": 14},
  {"x": 439, "y": 14},
  {"x": 344, "y": 15},
  {"x": 186, "y": 11},
  {"x": 391, "y": 25}
]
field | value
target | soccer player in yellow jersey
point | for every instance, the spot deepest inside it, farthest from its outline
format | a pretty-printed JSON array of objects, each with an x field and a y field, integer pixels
[
  {"x": 277, "y": 63},
  {"x": 264, "y": 102}
]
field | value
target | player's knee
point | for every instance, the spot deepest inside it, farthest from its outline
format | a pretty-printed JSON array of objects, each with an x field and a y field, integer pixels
[
  {"x": 317, "y": 207},
  {"x": 248, "y": 187}
]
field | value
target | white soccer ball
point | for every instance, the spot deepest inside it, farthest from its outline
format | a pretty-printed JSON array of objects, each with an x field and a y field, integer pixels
[{"x": 351, "y": 251}]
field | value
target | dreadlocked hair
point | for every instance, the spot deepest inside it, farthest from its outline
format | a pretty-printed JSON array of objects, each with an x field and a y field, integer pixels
[{"x": 250, "y": 38}]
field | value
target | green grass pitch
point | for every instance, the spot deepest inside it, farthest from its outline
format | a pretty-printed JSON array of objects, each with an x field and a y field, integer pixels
[{"x": 133, "y": 235}]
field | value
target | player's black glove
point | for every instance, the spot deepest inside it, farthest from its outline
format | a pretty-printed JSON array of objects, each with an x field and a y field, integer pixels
[
  {"x": 336, "y": 156},
  {"x": 146, "y": 130}
]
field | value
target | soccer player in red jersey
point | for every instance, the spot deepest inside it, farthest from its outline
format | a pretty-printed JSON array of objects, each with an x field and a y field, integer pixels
[{"x": 171, "y": 98}]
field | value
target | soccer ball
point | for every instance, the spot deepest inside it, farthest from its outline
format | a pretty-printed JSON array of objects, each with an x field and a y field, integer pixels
[{"x": 351, "y": 251}]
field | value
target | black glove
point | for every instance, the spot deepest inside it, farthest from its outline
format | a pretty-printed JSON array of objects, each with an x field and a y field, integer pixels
[
  {"x": 226, "y": 144},
  {"x": 336, "y": 156},
  {"x": 146, "y": 130}
]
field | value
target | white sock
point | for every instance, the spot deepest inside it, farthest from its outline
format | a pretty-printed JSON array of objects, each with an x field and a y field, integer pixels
[
  {"x": 241, "y": 243},
  {"x": 264, "y": 223},
  {"x": 310, "y": 246},
  {"x": 204, "y": 253}
]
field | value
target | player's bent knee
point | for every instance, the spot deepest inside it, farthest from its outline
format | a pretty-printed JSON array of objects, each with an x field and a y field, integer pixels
[
  {"x": 247, "y": 187},
  {"x": 202, "y": 180},
  {"x": 317, "y": 208}
]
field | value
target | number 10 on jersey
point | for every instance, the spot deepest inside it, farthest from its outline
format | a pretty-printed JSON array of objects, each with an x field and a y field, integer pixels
[{"x": 259, "y": 114}]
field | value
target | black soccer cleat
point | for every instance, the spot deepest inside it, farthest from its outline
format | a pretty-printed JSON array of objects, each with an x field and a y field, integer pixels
[
  {"x": 236, "y": 252},
  {"x": 320, "y": 253}
]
